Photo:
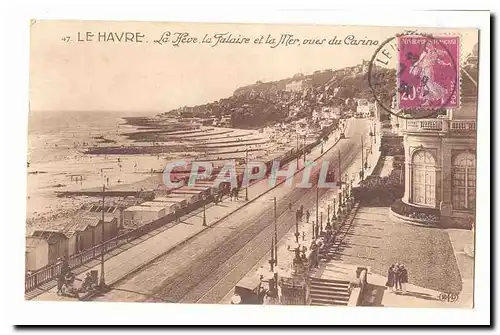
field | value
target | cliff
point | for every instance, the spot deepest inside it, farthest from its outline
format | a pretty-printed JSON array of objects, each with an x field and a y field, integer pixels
[{"x": 265, "y": 103}]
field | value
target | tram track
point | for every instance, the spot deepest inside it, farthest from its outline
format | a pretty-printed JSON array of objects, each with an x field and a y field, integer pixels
[{"x": 207, "y": 268}]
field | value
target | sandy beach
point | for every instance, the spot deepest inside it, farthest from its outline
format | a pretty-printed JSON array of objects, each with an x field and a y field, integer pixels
[{"x": 58, "y": 161}]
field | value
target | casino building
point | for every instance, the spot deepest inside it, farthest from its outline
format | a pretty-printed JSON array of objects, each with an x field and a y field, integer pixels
[{"x": 440, "y": 158}]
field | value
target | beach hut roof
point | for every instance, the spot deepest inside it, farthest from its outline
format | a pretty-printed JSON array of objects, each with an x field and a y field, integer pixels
[
  {"x": 172, "y": 200},
  {"x": 199, "y": 187},
  {"x": 127, "y": 202},
  {"x": 143, "y": 209},
  {"x": 154, "y": 204},
  {"x": 185, "y": 197},
  {"x": 108, "y": 217},
  {"x": 34, "y": 241},
  {"x": 160, "y": 199},
  {"x": 51, "y": 236},
  {"x": 80, "y": 223},
  {"x": 187, "y": 191}
]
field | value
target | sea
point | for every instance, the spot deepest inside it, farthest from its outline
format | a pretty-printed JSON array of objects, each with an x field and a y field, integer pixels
[
  {"x": 61, "y": 135},
  {"x": 57, "y": 161}
]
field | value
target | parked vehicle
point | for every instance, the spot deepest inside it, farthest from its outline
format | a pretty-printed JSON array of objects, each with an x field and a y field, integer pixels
[{"x": 249, "y": 290}]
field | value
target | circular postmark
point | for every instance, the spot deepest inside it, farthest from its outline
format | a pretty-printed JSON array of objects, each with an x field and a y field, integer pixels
[{"x": 416, "y": 76}]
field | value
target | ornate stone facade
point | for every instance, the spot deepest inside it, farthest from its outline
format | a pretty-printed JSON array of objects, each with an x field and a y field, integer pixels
[{"x": 440, "y": 161}]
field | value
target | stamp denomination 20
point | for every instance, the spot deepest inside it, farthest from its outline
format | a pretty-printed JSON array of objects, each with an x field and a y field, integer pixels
[{"x": 428, "y": 74}]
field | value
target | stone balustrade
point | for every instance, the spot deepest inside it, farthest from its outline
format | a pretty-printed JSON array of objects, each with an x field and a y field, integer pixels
[
  {"x": 459, "y": 125},
  {"x": 439, "y": 125}
]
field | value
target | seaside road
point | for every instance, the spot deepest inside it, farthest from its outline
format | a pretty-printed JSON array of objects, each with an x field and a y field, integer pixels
[
  {"x": 233, "y": 245},
  {"x": 136, "y": 255}
]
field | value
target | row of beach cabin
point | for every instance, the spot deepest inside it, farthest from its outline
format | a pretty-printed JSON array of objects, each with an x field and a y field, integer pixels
[{"x": 84, "y": 231}]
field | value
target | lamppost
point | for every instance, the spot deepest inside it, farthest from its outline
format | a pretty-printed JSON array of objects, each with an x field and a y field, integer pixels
[
  {"x": 334, "y": 217},
  {"x": 304, "y": 149},
  {"x": 271, "y": 260},
  {"x": 321, "y": 223},
  {"x": 297, "y": 234},
  {"x": 362, "y": 173},
  {"x": 339, "y": 210},
  {"x": 204, "y": 212},
  {"x": 328, "y": 217},
  {"x": 341, "y": 202},
  {"x": 275, "y": 233},
  {"x": 246, "y": 166},
  {"x": 298, "y": 264},
  {"x": 340, "y": 173},
  {"x": 346, "y": 188},
  {"x": 317, "y": 206},
  {"x": 102, "y": 284},
  {"x": 297, "y": 151}
]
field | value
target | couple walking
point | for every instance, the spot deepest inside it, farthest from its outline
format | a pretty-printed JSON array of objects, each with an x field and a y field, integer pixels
[{"x": 397, "y": 277}]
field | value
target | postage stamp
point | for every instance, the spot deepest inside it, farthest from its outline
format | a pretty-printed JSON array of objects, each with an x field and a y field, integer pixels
[{"x": 428, "y": 71}]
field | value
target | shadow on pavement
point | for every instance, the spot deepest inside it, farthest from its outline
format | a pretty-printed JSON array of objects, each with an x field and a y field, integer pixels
[{"x": 418, "y": 295}]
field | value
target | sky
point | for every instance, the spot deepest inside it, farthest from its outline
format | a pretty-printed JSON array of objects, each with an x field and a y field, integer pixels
[{"x": 97, "y": 75}]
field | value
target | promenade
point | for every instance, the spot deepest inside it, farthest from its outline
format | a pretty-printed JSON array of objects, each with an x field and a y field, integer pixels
[
  {"x": 375, "y": 241},
  {"x": 129, "y": 259},
  {"x": 288, "y": 242}
]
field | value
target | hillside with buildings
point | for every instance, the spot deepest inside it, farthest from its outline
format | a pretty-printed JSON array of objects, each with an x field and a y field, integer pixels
[{"x": 267, "y": 103}]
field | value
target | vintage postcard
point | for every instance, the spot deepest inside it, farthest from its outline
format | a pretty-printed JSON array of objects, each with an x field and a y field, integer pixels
[{"x": 251, "y": 164}]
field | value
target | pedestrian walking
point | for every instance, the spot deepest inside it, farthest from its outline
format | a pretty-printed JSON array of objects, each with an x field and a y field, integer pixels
[
  {"x": 290, "y": 206},
  {"x": 397, "y": 277},
  {"x": 60, "y": 283},
  {"x": 65, "y": 266},
  {"x": 390, "y": 278},
  {"x": 307, "y": 216},
  {"x": 314, "y": 255},
  {"x": 403, "y": 277}
]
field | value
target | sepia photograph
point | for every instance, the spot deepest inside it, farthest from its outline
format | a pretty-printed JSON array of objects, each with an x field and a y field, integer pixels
[{"x": 237, "y": 164}]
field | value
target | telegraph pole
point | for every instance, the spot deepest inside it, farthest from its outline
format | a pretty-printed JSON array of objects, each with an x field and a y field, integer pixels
[
  {"x": 328, "y": 216},
  {"x": 321, "y": 223},
  {"x": 298, "y": 151},
  {"x": 275, "y": 233},
  {"x": 271, "y": 260},
  {"x": 204, "y": 224},
  {"x": 334, "y": 217},
  {"x": 340, "y": 172},
  {"x": 246, "y": 169},
  {"x": 304, "y": 150},
  {"x": 103, "y": 281},
  {"x": 296, "y": 227},
  {"x": 362, "y": 159},
  {"x": 317, "y": 204}
]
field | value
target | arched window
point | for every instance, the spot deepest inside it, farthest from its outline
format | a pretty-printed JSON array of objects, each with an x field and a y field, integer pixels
[
  {"x": 424, "y": 178},
  {"x": 464, "y": 181}
]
